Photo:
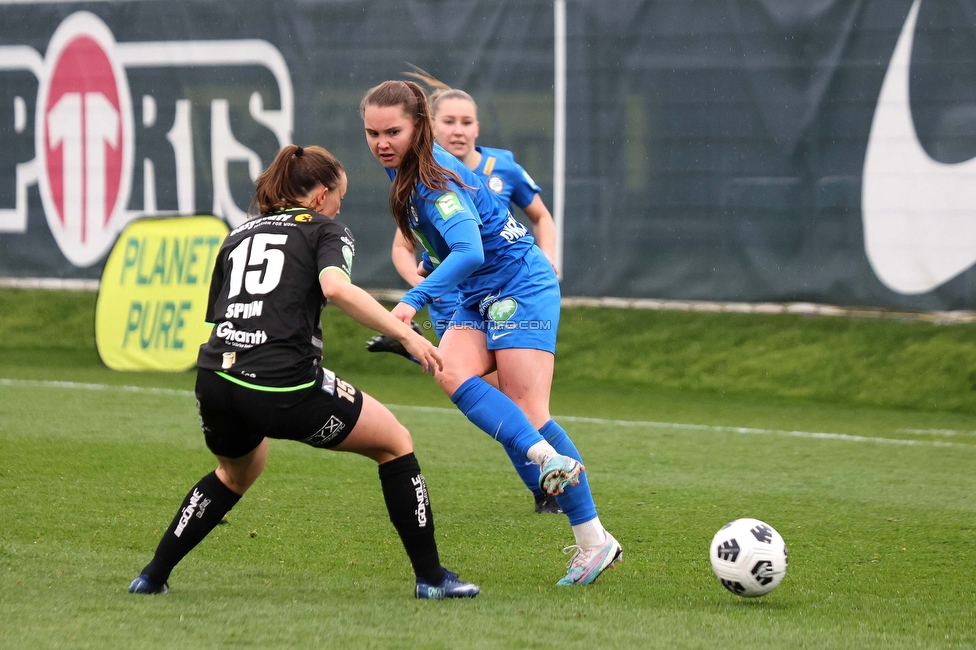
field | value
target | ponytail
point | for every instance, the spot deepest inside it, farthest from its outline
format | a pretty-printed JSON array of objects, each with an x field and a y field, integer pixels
[
  {"x": 441, "y": 91},
  {"x": 294, "y": 173}
]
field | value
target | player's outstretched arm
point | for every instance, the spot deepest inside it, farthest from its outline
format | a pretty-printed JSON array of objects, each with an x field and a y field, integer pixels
[{"x": 365, "y": 310}]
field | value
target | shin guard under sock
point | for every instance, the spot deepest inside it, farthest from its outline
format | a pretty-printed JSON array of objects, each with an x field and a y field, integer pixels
[
  {"x": 527, "y": 470},
  {"x": 494, "y": 413},
  {"x": 576, "y": 501},
  {"x": 405, "y": 493},
  {"x": 203, "y": 508}
]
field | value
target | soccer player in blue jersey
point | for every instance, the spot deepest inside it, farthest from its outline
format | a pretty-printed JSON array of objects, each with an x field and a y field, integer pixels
[
  {"x": 456, "y": 128},
  {"x": 507, "y": 311}
]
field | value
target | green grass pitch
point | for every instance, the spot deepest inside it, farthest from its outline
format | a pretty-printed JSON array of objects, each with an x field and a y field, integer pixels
[{"x": 874, "y": 501}]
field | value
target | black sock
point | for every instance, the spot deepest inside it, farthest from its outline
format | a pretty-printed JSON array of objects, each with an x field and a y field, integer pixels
[
  {"x": 405, "y": 492},
  {"x": 203, "y": 508}
]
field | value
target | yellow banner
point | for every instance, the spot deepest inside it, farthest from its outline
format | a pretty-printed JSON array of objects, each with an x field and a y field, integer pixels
[{"x": 152, "y": 300}]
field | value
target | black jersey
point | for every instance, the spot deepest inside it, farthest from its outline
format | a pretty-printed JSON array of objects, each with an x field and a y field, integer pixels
[{"x": 265, "y": 298}]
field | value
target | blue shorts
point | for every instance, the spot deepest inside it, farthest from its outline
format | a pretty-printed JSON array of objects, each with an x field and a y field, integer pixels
[
  {"x": 521, "y": 312},
  {"x": 440, "y": 312}
]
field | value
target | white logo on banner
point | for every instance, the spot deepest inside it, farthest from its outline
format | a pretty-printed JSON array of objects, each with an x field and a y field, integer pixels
[
  {"x": 85, "y": 132},
  {"x": 919, "y": 214}
]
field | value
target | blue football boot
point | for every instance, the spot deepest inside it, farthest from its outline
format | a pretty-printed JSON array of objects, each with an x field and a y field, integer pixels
[
  {"x": 450, "y": 586},
  {"x": 143, "y": 584}
]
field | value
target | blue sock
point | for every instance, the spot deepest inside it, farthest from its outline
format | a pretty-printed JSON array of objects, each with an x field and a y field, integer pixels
[
  {"x": 527, "y": 471},
  {"x": 576, "y": 501},
  {"x": 495, "y": 414}
]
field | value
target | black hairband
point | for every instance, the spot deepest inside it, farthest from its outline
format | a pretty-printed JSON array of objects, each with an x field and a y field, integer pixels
[{"x": 298, "y": 152}]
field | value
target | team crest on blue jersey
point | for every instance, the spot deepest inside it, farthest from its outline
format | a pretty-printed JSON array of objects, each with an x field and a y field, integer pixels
[{"x": 496, "y": 184}]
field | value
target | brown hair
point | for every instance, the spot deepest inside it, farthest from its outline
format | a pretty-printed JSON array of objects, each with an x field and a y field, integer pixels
[
  {"x": 418, "y": 163},
  {"x": 295, "y": 172},
  {"x": 441, "y": 90}
]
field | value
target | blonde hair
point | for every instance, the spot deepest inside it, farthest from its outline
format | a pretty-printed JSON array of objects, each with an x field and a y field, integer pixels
[{"x": 441, "y": 90}]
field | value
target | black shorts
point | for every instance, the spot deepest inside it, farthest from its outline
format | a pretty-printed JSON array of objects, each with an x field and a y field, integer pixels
[{"x": 236, "y": 418}]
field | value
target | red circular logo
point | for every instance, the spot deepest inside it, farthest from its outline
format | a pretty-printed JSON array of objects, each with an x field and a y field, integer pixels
[{"x": 84, "y": 127}]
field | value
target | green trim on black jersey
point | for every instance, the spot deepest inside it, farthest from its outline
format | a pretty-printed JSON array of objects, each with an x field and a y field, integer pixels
[
  {"x": 337, "y": 268},
  {"x": 267, "y": 389}
]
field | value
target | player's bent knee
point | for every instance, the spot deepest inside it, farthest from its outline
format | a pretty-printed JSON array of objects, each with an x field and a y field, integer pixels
[
  {"x": 397, "y": 436},
  {"x": 401, "y": 442},
  {"x": 237, "y": 481},
  {"x": 377, "y": 434},
  {"x": 450, "y": 379}
]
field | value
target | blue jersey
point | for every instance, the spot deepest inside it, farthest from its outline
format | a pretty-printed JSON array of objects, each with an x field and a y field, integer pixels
[
  {"x": 469, "y": 237},
  {"x": 506, "y": 178}
]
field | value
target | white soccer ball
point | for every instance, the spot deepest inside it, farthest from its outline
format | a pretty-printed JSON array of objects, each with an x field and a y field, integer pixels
[{"x": 748, "y": 557}]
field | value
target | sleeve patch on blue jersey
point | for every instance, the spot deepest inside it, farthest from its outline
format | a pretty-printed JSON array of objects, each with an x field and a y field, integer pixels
[{"x": 449, "y": 205}]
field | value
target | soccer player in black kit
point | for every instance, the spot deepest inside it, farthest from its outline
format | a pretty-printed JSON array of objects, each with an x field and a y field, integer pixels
[{"x": 259, "y": 376}]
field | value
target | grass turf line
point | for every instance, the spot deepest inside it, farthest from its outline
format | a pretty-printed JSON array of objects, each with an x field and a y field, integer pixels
[
  {"x": 858, "y": 362},
  {"x": 916, "y": 437}
]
